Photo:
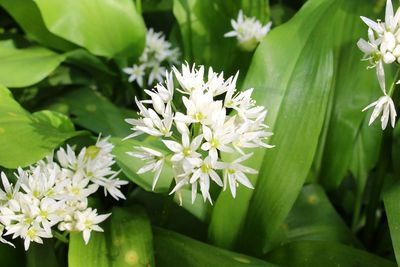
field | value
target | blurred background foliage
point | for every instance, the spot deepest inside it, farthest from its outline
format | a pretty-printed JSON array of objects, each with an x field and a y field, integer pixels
[{"x": 328, "y": 194}]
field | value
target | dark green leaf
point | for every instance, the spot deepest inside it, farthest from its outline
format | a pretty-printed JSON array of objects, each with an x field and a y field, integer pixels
[
  {"x": 327, "y": 254},
  {"x": 172, "y": 249}
]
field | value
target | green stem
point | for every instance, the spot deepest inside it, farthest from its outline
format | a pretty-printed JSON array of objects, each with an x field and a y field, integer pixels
[
  {"x": 396, "y": 77},
  {"x": 139, "y": 6},
  {"x": 61, "y": 237}
]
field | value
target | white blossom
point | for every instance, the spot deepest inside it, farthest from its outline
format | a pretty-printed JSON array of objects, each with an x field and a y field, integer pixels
[
  {"x": 212, "y": 118},
  {"x": 157, "y": 55},
  {"x": 248, "y": 31},
  {"x": 385, "y": 106},
  {"x": 52, "y": 194}
]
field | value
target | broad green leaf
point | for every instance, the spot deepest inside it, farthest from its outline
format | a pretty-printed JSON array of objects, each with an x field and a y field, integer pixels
[
  {"x": 27, "y": 15},
  {"x": 350, "y": 97},
  {"x": 24, "y": 67},
  {"x": 131, "y": 238},
  {"x": 94, "y": 112},
  {"x": 391, "y": 198},
  {"x": 94, "y": 254},
  {"x": 173, "y": 249},
  {"x": 292, "y": 79},
  {"x": 41, "y": 255},
  {"x": 106, "y": 27},
  {"x": 314, "y": 218},
  {"x": 327, "y": 254},
  {"x": 26, "y": 138},
  {"x": 130, "y": 165}
]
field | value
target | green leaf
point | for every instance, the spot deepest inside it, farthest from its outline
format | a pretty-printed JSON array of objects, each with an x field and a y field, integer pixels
[
  {"x": 314, "y": 218},
  {"x": 173, "y": 249},
  {"x": 94, "y": 112},
  {"x": 297, "y": 103},
  {"x": 327, "y": 254},
  {"x": 28, "y": 16},
  {"x": 130, "y": 165},
  {"x": 131, "y": 238},
  {"x": 26, "y": 138},
  {"x": 106, "y": 27},
  {"x": 351, "y": 95},
  {"x": 25, "y": 67},
  {"x": 94, "y": 254},
  {"x": 126, "y": 241},
  {"x": 391, "y": 198}
]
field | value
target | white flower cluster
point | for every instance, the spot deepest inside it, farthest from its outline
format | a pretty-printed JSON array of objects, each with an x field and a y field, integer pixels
[
  {"x": 55, "y": 193},
  {"x": 382, "y": 47},
  {"x": 248, "y": 31},
  {"x": 156, "y": 56},
  {"x": 214, "y": 118}
]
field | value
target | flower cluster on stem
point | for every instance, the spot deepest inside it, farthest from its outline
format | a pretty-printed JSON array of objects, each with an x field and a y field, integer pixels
[
  {"x": 383, "y": 48},
  {"x": 54, "y": 193},
  {"x": 156, "y": 56},
  {"x": 212, "y": 117},
  {"x": 248, "y": 30}
]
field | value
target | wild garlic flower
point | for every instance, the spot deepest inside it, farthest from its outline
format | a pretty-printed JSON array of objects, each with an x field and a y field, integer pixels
[
  {"x": 54, "y": 191},
  {"x": 383, "y": 45},
  {"x": 157, "y": 55},
  {"x": 385, "y": 106},
  {"x": 197, "y": 122},
  {"x": 248, "y": 31}
]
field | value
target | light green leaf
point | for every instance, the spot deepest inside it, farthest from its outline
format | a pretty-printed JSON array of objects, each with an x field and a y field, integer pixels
[
  {"x": 106, "y": 27},
  {"x": 292, "y": 80},
  {"x": 27, "y": 15},
  {"x": 94, "y": 254},
  {"x": 130, "y": 165},
  {"x": 173, "y": 249},
  {"x": 327, "y": 254},
  {"x": 26, "y": 138},
  {"x": 24, "y": 67}
]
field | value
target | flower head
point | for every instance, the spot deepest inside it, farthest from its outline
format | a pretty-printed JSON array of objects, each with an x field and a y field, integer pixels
[
  {"x": 385, "y": 106},
  {"x": 55, "y": 193},
  {"x": 248, "y": 31},
  {"x": 156, "y": 55},
  {"x": 212, "y": 118}
]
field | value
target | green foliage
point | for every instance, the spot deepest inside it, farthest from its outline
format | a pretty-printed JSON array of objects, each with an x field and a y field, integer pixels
[
  {"x": 124, "y": 36},
  {"x": 24, "y": 67},
  {"x": 27, "y": 137}
]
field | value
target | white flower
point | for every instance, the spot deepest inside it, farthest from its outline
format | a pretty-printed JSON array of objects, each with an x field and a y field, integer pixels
[
  {"x": 154, "y": 161},
  {"x": 151, "y": 123},
  {"x": 385, "y": 106},
  {"x": 2, "y": 240},
  {"x": 209, "y": 120},
  {"x": 248, "y": 31},
  {"x": 186, "y": 150},
  {"x": 34, "y": 233},
  {"x": 136, "y": 73},
  {"x": 112, "y": 186},
  {"x": 88, "y": 220},
  {"x": 390, "y": 24},
  {"x": 204, "y": 172},
  {"x": 235, "y": 173},
  {"x": 156, "y": 55},
  {"x": 190, "y": 79}
]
